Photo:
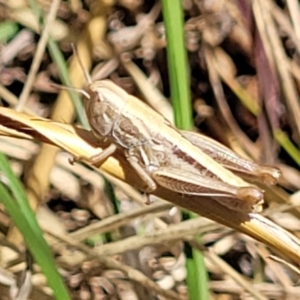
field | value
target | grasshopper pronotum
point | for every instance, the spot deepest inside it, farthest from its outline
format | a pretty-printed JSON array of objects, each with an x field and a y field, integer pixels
[{"x": 163, "y": 155}]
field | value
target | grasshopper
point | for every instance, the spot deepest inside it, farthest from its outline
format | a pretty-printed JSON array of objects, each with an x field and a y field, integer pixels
[{"x": 181, "y": 161}]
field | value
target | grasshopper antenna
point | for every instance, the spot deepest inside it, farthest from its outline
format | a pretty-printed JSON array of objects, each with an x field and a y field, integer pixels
[
  {"x": 85, "y": 72},
  {"x": 86, "y": 76},
  {"x": 68, "y": 88}
]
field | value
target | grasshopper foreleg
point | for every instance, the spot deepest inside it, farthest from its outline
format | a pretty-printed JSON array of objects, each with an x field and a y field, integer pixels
[{"x": 98, "y": 158}]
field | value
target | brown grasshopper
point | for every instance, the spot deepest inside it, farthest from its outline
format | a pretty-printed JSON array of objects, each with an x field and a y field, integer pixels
[{"x": 181, "y": 161}]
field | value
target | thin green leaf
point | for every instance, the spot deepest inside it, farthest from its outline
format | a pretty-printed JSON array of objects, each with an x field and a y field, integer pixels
[
  {"x": 7, "y": 30},
  {"x": 59, "y": 60},
  {"x": 287, "y": 145},
  {"x": 24, "y": 218},
  {"x": 181, "y": 99},
  {"x": 177, "y": 62}
]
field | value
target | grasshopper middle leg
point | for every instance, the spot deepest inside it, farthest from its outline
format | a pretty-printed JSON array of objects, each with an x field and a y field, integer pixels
[{"x": 143, "y": 174}]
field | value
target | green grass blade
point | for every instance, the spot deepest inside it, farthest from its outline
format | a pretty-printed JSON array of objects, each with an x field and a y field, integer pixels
[
  {"x": 59, "y": 60},
  {"x": 284, "y": 141},
  {"x": 197, "y": 277},
  {"x": 8, "y": 30},
  {"x": 24, "y": 218},
  {"x": 181, "y": 99},
  {"x": 177, "y": 62}
]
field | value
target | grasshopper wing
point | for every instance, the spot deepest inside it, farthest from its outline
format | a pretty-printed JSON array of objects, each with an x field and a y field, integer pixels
[{"x": 231, "y": 160}]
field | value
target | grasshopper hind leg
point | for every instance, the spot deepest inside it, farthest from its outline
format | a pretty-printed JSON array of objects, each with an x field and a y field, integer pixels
[{"x": 242, "y": 198}]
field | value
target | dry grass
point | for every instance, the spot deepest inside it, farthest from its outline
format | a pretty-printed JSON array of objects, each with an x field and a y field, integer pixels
[{"x": 244, "y": 66}]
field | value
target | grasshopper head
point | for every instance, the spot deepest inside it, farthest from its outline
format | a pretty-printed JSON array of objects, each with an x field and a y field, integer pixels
[{"x": 103, "y": 105}]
